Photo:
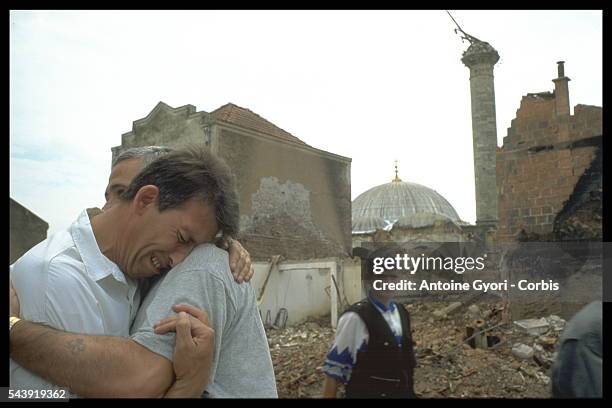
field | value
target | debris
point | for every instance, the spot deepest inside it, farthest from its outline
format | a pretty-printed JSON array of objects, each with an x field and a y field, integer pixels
[
  {"x": 542, "y": 357},
  {"x": 522, "y": 351},
  {"x": 281, "y": 319},
  {"x": 480, "y": 339},
  {"x": 493, "y": 312},
  {"x": 557, "y": 323},
  {"x": 444, "y": 312},
  {"x": 446, "y": 365},
  {"x": 534, "y": 327},
  {"x": 474, "y": 312},
  {"x": 494, "y": 342},
  {"x": 471, "y": 337},
  {"x": 543, "y": 360},
  {"x": 542, "y": 377},
  {"x": 547, "y": 342},
  {"x": 529, "y": 371},
  {"x": 469, "y": 332}
]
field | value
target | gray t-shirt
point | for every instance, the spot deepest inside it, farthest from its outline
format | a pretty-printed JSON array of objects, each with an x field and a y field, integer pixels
[
  {"x": 242, "y": 367},
  {"x": 577, "y": 371}
]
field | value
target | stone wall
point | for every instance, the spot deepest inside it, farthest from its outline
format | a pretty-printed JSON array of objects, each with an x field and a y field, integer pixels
[{"x": 167, "y": 126}]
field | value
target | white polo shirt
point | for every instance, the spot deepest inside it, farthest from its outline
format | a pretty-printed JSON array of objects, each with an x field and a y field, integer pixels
[{"x": 66, "y": 282}]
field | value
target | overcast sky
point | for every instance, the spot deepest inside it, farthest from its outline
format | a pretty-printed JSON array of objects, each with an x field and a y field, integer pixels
[{"x": 374, "y": 86}]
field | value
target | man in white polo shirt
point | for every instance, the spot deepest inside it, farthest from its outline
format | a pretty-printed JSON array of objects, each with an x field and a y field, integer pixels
[
  {"x": 84, "y": 280},
  {"x": 241, "y": 365}
]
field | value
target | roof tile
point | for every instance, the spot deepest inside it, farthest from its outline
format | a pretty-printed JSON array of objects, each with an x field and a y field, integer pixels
[{"x": 239, "y": 116}]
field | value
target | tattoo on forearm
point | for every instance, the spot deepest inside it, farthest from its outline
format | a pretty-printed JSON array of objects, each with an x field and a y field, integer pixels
[{"x": 76, "y": 346}]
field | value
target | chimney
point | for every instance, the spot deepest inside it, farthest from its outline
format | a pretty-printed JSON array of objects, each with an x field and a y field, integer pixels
[{"x": 562, "y": 104}]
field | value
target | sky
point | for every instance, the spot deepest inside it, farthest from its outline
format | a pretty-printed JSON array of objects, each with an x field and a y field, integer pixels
[{"x": 374, "y": 86}]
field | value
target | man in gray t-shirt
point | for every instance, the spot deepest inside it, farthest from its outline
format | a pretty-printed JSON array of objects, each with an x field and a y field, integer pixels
[
  {"x": 242, "y": 366},
  {"x": 577, "y": 371}
]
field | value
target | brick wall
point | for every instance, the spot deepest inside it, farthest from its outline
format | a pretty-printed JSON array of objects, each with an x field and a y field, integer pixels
[{"x": 542, "y": 159}]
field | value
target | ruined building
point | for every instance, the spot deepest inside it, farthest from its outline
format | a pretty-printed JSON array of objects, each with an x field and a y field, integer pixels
[
  {"x": 543, "y": 184},
  {"x": 26, "y": 230},
  {"x": 549, "y": 169},
  {"x": 295, "y": 202}
]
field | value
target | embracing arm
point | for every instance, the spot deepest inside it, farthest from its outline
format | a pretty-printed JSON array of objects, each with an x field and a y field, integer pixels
[
  {"x": 108, "y": 366},
  {"x": 239, "y": 259},
  {"x": 90, "y": 366}
]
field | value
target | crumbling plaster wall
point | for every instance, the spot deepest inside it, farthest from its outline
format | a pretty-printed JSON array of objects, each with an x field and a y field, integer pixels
[{"x": 295, "y": 201}]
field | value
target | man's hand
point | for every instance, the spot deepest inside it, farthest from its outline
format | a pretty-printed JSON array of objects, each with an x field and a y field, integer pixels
[
  {"x": 14, "y": 301},
  {"x": 239, "y": 260},
  {"x": 194, "y": 349}
]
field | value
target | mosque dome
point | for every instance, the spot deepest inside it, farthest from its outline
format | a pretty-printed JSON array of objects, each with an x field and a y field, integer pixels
[
  {"x": 411, "y": 204},
  {"x": 369, "y": 224}
]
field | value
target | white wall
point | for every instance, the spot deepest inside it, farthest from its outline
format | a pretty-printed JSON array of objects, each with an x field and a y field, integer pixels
[
  {"x": 351, "y": 277},
  {"x": 305, "y": 288}
]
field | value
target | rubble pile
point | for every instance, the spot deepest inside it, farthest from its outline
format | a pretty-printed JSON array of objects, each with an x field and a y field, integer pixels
[
  {"x": 514, "y": 362},
  {"x": 298, "y": 354}
]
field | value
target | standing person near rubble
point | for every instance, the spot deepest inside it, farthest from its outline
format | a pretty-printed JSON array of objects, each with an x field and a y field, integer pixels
[
  {"x": 372, "y": 353},
  {"x": 577, "y": 371}
]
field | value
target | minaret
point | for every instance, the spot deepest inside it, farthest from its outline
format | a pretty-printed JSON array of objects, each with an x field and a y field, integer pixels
[{"x": 480, "y": 58}]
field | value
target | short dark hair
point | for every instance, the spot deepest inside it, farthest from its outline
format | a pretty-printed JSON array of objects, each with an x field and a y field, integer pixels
[{"x": 188, "y": 172}]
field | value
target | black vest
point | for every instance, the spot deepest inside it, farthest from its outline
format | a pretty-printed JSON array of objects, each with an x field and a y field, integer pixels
[{"x": 384, "y": 370}]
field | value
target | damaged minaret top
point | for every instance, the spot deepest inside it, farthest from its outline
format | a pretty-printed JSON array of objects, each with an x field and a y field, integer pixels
[{"x": 480, "y": 52}]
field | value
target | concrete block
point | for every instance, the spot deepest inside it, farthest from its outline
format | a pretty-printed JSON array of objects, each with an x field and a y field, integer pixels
[
  {"x": 535, "y": 327},
  {"x": 522, "y": 351}
]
